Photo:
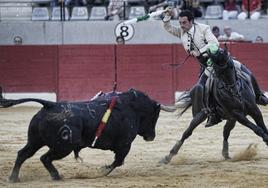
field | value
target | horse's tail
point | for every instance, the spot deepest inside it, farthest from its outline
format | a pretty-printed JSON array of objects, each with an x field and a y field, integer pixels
[
  {"x": 181, "y": 105},
  {"x": 183, "y": 102}
]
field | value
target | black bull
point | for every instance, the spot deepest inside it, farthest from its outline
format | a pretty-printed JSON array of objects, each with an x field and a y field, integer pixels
[{"x": 65, "y": 127}]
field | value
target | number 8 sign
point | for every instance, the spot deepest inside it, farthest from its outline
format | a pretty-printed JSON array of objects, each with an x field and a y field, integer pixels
[{"x": 125, "y": 31}]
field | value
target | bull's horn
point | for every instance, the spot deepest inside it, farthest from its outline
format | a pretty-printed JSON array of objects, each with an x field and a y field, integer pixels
[{"x": 168, "y": 108}]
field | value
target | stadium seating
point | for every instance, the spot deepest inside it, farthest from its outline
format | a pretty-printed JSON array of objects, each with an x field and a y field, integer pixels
[
  {"x": 214, "y": 12},
  {"x": 98, "y": 13},
  {"x": 136, "y": 11},
  {"x": 9, "y": 3},
  {"x": 15, "y": 13},
  {"x": 40, "y": 14},
  {"x": 42, "y": 2},
  {"x": 79, "y": 13},
  {"x": 55, "y": 15}
]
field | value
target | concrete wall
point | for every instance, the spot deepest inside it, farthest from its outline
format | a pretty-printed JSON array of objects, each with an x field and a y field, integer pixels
[{"x": 102, "y": 32}]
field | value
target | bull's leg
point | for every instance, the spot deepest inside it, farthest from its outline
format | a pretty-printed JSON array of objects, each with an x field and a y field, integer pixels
[
  {"x": 241, "y": 118},
  {"x": 50, "y": 156},
  {"x": 119, "y": 158},
  {"x": 226, "y": 133},
  {"x": 25, "y": 153},
  {"x": 198, "y": 118}
]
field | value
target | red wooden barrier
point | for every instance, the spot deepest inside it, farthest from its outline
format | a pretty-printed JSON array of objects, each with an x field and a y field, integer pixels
[
  {"x": 139, "y": 66},
  {"x": 28, "y": 68},
  {"x": 84, "y": 70},
  {"x": 77, "y": 72}
]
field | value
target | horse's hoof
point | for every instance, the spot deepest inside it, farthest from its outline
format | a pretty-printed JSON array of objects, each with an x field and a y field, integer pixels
[
  {"x": 105, "y": 170},
  {"x": 57, "y": 178},
  {"x": 165, "y": 160},
  {"x": 226, "y": 156},
  {"x": 13, "y": 179}
]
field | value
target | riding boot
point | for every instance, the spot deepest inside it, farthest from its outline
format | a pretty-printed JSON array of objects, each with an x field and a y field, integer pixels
[
  {"x": 212, "y": 120},
  {"x": 262, "y": 100}
]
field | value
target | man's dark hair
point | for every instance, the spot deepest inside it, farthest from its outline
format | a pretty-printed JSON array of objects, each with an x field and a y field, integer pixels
[
  {"x": 215, "y": 28},
  {"x": 188, "y": 14}
]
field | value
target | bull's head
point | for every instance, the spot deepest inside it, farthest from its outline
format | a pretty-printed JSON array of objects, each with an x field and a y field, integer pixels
[{"x": 148, "y": 113}]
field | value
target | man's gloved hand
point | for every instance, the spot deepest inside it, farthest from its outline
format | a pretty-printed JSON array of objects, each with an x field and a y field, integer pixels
[
  {"x": 167, "y": 14},
  {"x": 213, "y": 48},
  {"x": 194, "y": 53}
]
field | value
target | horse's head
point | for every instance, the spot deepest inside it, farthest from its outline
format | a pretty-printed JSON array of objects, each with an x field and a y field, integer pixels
[
  {"x": 219, "y": 56},
  {"x": 223, "y": 67},
  {"x": 221, "y": 61}
]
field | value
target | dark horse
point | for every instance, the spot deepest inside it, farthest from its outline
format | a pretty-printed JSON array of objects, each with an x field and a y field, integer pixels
[{"x": 232, "y": 97}]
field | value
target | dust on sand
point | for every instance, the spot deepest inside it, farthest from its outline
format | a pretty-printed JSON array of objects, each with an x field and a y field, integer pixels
[{"x": 198, "y": 164}]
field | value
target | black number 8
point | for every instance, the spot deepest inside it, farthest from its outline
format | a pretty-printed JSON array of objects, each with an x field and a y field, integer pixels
[{"x": 124, "y": 31}]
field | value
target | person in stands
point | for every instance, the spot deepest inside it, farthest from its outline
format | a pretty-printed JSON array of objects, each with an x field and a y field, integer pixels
[
  {"x": 254, "y": 9},
  {"x": 216, "y": 31},
  {"x": 230, "y": 35},
  {"x": 230, "y": 10}
]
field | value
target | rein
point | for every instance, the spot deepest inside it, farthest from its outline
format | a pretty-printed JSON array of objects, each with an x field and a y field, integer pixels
[
  {"x": 175, "y": 66},
  {"x": 231, "y": 88}
]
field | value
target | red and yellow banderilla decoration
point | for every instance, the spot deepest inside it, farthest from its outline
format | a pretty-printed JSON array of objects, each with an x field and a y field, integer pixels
[{"x": 104, "y": 120}]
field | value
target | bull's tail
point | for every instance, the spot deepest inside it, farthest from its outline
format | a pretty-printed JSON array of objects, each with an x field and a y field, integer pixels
[
  {"x": 5, "y": 103},
  {"x": 181, "y": 105}
]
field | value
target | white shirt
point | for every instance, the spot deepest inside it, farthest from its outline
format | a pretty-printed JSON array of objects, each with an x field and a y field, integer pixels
[
  {"x": 200, "y": 33},
  {"x": 233, "y": 36}
]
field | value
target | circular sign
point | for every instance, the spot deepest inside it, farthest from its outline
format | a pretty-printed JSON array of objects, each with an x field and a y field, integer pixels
[{"x": 123, "y": 30}]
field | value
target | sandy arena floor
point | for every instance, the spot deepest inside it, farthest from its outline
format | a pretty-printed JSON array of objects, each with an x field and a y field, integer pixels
[{"x": 198, "y": 164}]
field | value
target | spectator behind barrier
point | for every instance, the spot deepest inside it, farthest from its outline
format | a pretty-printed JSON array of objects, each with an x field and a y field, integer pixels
[
  {"x": 193, "y": 6},
  {"x": 54, "y": 3},
  {"x": 259, "y": 39},
  {"x": 75, "y": 2},
  {"x": 216, "y": 31},
  {"x": 230, "y": 35},
  {"x": 174, "y": 4},
  {"x": 254, "y": 8},
  {"x": 116, "y": 9},
  {"x": 230, "y": 10}
]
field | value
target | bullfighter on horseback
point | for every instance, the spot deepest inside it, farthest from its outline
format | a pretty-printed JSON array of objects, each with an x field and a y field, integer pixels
[{"x": 196, "y": 39}]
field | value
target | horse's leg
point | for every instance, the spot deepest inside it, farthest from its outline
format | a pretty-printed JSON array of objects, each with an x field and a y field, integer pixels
[
  {"x": 241, "y": 118},
  {"x": 197, "y": 95},
  {"x": 256, "y": 114},
  {"x": 198, "y": 118},
  {"x": 226, "y": 133}
]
